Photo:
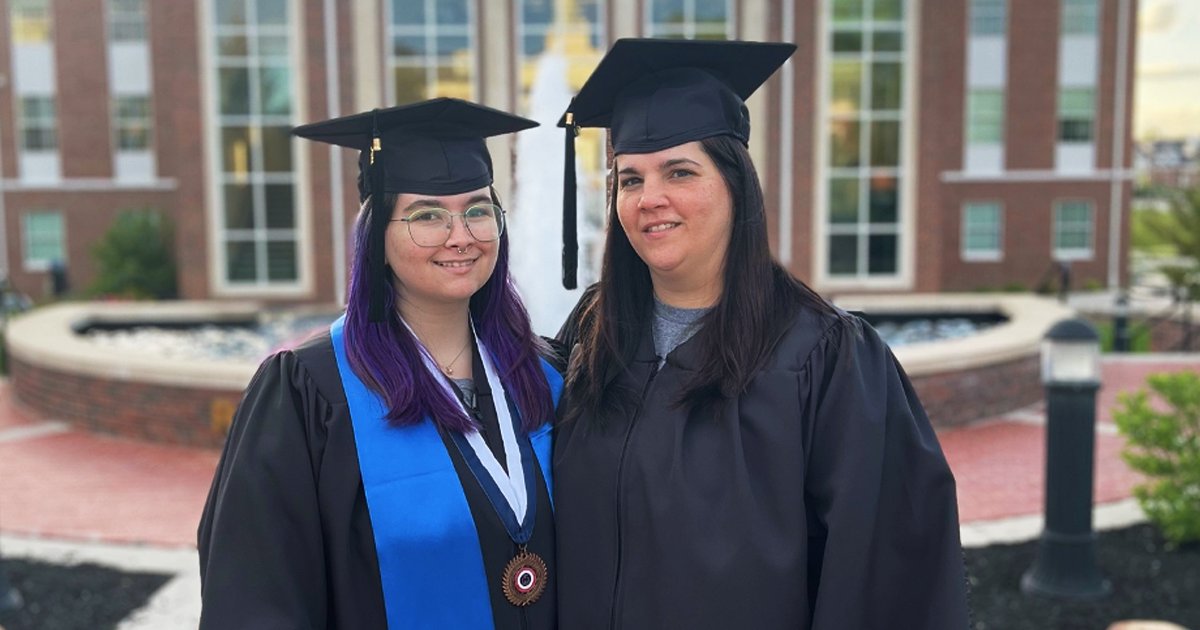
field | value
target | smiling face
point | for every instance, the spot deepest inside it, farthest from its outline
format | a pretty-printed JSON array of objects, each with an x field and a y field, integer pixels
[
  {"x": 448, "y": 273},
  {"x": 677, "y": 213}
]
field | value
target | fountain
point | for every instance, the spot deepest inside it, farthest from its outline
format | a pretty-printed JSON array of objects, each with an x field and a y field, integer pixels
[{"x": 535, "y": 220}]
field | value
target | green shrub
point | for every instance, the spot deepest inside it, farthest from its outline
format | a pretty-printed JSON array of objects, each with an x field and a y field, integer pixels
[
  {"x": 1139, "y": 336},
  {"x": 1165, "y": 446},
  {"x": 134, "y": 258}
]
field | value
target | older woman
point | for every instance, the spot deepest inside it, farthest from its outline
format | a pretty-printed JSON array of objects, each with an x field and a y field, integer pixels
[
  {"x": 393, "y": 472},
  {"x": 736, "y": 452}
]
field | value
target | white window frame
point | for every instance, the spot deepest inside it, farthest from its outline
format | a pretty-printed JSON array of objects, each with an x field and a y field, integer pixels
[
  {"x": 120, "y": 21},
  {"x": 1074, "y": 12},
  {"x": 988, "y": 12},
  {"x": 428, "y": 58},
  {"x": 26, "y": 122},
  {"x": 121, "y": 122},
  {"x": 261, "y": 235},
  {"x": 1062, "y": 114},
  {"x": 863, "y": 229},
  {"x": 42, "y": 264},
  {"x": 1073, "y": 253},
  {"x": 690, "y": 29},
  {"x": 982, "y": 255},
  {"x": 42, "y": 13},
  {"x": 973, "y": 112}
]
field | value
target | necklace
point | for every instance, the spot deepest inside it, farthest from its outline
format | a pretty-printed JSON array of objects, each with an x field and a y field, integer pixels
[{"x": 449, "y": 367}]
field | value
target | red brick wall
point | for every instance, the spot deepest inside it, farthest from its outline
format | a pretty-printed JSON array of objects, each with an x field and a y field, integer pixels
[
  {"x": 939, "y": 116},
  {"x": 956, "y": 398},
  {"x": 176, "y": 75},
  {"x": 81, "y": 63},
  {"x": 1031, "y": 117},
  {"x": 1028, "y": 234},
  {"x": 144, "y": 411},
  {"x": 87, "y": 215}
]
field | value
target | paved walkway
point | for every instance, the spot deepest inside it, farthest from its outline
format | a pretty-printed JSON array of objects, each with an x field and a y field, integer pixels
[{"x": 72, "y": 496}]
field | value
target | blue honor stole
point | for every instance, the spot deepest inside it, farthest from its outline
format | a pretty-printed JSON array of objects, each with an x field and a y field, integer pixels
[{"x": 430, "y": 564}]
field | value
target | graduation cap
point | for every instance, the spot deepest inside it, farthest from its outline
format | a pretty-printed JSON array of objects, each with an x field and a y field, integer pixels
[
  {"x": 658, "y": 93},
  {"x": 434, "y": 147}
]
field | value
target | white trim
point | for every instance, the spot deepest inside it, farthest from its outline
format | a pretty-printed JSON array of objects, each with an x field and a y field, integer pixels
[
  {"x": 1020, "y": 176},
  {"x": 300, "y": 234},
  {"x": 1115, "y": 208},
  {"x": 92, "y": 184},
  {"x": 337, "y": 193},
  {"x": 905, "y": 171},
  {"x": 787, "y": 138}
]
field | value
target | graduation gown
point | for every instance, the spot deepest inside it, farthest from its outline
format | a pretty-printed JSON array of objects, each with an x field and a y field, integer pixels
[
  {"x": 819, "y": 498},
  {"x": 286, "y": 539}
]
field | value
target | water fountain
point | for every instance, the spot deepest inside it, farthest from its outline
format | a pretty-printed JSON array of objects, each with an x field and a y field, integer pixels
[{"x": 535, "y": 219}]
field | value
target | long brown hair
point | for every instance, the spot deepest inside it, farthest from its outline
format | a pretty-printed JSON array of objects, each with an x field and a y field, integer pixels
[{"x": 759, "y": 300}]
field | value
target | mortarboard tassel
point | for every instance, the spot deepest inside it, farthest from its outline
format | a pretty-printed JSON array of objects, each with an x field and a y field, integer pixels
[
  {"x": 380, "y": 217},
  {"x": 570, "y": 253}
]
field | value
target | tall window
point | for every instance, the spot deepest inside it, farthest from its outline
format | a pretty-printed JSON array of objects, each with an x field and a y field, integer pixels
[
  {"x": 432, "y": 49},
  {"x": 1073, "y": 228},
  {"x": 38, "y": 123},
  {"x": 132, "y": 118},
  {"x": 258, "y": 228},
  {"x": 864, "y": 118},
  {"x": 981, "y": 231},
  {"x": 1079, "y": 17},
  {"x": 127, "y": 20},
  {"x": 1076, "y": 114},
  {"x": 988, "y": 17},
  {"x": 985, "y": 116},
  {"x": 30, "y": 21},
  {"x": 689, "y": 19},
  {"x": 44, "y": 238}
]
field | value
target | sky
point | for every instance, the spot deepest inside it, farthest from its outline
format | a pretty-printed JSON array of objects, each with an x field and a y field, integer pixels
[{"x": 1167, "y": 88}]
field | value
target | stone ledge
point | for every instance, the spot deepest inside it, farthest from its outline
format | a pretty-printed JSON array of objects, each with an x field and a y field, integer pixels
[
  {"x": 46, "y": 338},
  {"x": 1029, "y": 317}
]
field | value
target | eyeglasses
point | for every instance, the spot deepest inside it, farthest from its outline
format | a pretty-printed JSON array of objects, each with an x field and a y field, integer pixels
[{"x": 431, "y": 227}]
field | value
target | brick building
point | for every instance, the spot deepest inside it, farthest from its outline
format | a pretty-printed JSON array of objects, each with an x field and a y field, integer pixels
[{"x": 909, "y": 145}]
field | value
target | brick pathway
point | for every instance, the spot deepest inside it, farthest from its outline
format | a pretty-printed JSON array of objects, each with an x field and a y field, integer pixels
[{"x": 68, "y": 484}]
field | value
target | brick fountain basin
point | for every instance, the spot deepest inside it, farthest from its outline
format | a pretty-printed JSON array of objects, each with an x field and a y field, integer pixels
[{"x": 62, "y": 376}]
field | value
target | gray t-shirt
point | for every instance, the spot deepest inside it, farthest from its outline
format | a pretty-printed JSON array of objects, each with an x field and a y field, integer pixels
[{"x": 673, "y": 326}]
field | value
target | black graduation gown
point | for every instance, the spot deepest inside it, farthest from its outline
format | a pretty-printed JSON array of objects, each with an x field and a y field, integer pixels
[
  {"x": 285, "y": 539},
  {"x": 819, "y": 498}
]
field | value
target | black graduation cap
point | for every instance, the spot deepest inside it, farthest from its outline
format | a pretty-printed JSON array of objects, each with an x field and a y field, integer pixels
[
  {"x": 658, "y": 93},
  {"x": 434, "y": 147}
]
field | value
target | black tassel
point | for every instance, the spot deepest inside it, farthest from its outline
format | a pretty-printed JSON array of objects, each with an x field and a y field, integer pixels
[
  {"x": 570, "y": 252},
  {"x": 380, "y": 217}
]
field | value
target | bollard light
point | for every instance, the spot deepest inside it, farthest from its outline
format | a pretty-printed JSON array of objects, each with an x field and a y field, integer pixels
[
  {"x": 1071, "y": 354},
  {"x": 1066, "y": 560}
]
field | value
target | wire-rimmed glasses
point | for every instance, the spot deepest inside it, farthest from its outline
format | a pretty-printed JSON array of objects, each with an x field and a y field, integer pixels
[{"x": 431, "y": 227}]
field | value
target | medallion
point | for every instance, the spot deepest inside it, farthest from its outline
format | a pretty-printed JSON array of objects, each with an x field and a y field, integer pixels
[{"x": 524, "y": 578}]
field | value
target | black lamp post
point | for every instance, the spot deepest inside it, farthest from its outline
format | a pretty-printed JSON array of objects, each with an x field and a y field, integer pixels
[
  {"x": 1066, "y": 560},
  {"x": 1121, "y": 323}
]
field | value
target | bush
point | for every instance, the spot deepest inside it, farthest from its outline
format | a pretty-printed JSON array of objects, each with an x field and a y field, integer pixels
[
  {"x": 1165, "y": 446},
  {"x": 134, "y": 258},
  {"x": 1139, "y": 336}
]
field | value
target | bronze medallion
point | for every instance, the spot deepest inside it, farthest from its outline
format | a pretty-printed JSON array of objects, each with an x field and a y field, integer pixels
[{"x": 524, "y": 578}]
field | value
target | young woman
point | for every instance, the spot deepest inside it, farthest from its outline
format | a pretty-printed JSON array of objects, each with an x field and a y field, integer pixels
[
  {"x": 736, "y": 452},
  {"x": 394, "y": 471}
]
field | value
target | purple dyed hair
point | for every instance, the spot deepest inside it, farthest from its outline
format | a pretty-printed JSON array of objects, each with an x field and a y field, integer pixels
[{"x": 387, "y": 358}]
